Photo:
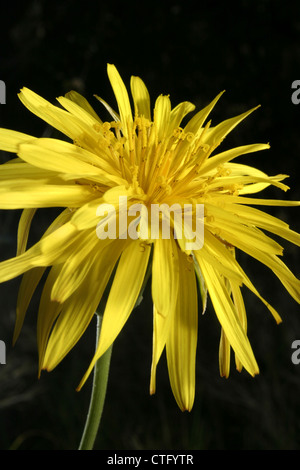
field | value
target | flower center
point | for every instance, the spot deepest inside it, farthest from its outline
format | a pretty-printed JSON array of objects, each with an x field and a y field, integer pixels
[{"x": 161, "y": 168}]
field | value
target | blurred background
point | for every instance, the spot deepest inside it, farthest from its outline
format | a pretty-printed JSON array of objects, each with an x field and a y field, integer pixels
[{"x": 191, "y": 51}]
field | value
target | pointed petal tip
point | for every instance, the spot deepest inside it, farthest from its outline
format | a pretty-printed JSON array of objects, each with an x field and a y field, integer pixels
[
  {"x": 254, "y": 373},
  {"x": 45, "y": 368},
  {"x": 16, "y": 335},
  {"x": 185, "y": 403},
  {"x": 25, "y": 90},
  {"x": 186, "y": 408},
  {"x": 223, "y": 375},
  {"x": 111, "y": 68},
  {"x": 85, "y": 378},
  {"x": 40, "y": 370}
]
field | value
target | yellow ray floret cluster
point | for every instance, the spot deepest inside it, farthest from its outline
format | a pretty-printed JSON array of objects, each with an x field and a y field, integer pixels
[{"x": 150, "y": 158}]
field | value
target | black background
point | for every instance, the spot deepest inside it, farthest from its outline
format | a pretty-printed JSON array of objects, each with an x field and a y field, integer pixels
[{"x": 191, "y": 51}]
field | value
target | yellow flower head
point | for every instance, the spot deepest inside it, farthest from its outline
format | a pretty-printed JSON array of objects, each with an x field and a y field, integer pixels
[{"x": 107, "y": 178}]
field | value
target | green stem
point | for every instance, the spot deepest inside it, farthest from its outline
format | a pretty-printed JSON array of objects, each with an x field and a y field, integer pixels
[{"x": 101, "y": 371}]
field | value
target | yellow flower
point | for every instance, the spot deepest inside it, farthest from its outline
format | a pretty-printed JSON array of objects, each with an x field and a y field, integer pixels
[{"x": 146, "y": 160}]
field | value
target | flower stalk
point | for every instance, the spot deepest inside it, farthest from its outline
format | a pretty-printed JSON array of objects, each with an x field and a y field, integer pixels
[{"x": 97, "y": 400}]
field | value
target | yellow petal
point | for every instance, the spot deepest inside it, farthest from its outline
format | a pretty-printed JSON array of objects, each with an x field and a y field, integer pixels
[
  {"x": 48, "y": 250},
  {"x": 262, "y": 251},
  {"x": 141, "y": 97},
  {"x": 260, "y": 179},
  {"x": 81, "y": 101},
  {"x": 161, "y": 328},
  {"x": 178, "y": 113},
  {"x": 241, "y": 312},
  {"x": 196, "y": 123},
  {"x": 80, "y": 127},
  {"x": 228, "y": 155},
  {"x": 290, "y": 282},
  {"x": 48, "y": 309},
  {"x": 165, "y": 281},
  {"x": 122, "y": 297},
  {"x": 29, "y": 283},
  {"x": 224, "y": 355},
  {"x": 76, "y": 110},
  {"x": 265, "y": 221},
  {"x": 182, "y": 340},
  {"x": 63, "y": 157},
  {"x": 23, "y": 171},
  {"x": 225, "y": 348},
  {"x": 10, "y": 140},
  {"x": 23, "y": 229},
  {"x": 120, "y": 94},
  {"x": 162, "y": 112},
  {"x": 208, "y": 253},
  {"x": 232, "y": 229},
  {"x": 165, "y": 286},
  {"x": 201, "y": 285},
  {"x": 218, "y": 133},
  {"x": 79, "y": 309},
  {"x": 194, "y": 128},
  {"x": 111, "y": 111},
  {"x": 228, "y": 318},
  {"x": 20, "y": 194},
  {"x": 229, "y": 267},
  {"x": 85, "y": 217},
  {"x": 48, "y": 312},
  {"x": 258, "y": 201},
  {"x": 248, "y": 182},
  {"x": 54, "y": 116},
  {"x": 77, "y": 268}
]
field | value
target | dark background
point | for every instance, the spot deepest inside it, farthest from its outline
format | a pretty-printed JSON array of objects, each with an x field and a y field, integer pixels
[{"x": 191, "y": 51}]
